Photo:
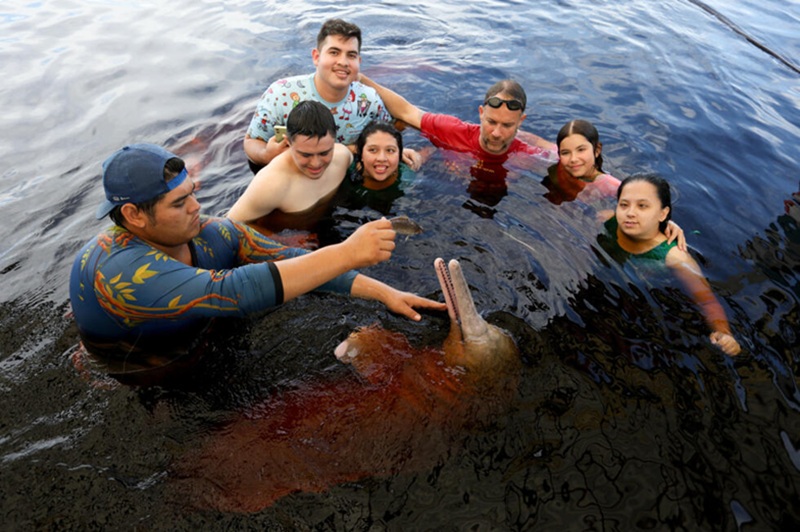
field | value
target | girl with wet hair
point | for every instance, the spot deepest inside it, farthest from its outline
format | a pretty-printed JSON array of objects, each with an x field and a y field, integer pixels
[
  {"x": 588, "y": 132},
  {"x": 377, "y": 175},
  {"x": 635, "y": 233},
  {"x": 378, "y": 151},
  {"x": 579, "y": 171}
]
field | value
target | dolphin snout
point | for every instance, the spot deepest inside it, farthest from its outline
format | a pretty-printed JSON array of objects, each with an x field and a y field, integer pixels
[
  {"x": 460, "y": 304},
  {"x": 344, "y": 352}
]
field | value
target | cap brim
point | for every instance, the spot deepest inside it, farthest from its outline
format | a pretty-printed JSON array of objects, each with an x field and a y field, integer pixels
[{"x": 103, "y": 210}]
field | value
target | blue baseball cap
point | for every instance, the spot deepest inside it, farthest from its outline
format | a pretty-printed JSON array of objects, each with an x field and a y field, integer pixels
[{"x": 135, "y": 174}]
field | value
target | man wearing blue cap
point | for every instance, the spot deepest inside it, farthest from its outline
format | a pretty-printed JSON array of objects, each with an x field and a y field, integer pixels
[{"x": 163, "y": 271}]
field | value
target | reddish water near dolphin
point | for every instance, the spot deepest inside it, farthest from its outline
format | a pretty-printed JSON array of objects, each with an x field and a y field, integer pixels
[{"x": 625, "y": 417}]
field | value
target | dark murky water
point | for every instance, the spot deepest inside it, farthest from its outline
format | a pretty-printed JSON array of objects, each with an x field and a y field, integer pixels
[{"x": 625, "y": 418}]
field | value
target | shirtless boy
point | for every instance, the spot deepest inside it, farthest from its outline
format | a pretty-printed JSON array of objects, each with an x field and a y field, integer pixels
[{"x": 303, "y": 177}]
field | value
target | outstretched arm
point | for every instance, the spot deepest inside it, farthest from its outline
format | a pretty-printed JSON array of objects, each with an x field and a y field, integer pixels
[
  {"x": 536, "y": 140},
  {"x": 689, "y": 273},
  {"x": 395, "y": 300},
  {"x": 398, "y": 106},
  {"x": 370, "y": 244}
]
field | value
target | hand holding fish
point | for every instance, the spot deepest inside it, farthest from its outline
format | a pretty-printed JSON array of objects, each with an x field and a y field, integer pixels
[
  {"x": 403, "y": 225},
  {"x": 371, "y": 243}
]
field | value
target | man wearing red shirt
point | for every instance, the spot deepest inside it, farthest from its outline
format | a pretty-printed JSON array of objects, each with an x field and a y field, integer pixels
[{"x": 492, "y": 141}]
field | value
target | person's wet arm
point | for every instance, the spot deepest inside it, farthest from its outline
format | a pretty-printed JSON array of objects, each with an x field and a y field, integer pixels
[
  {"x": 370, "y": 244},
  {"x": 397, "y": 301},
  {"x": 398, "y": 106},
  {"x": 332, "y": 267},
  {"x": 688, "y": 272},
  {"x": 673, "y": 232},
  {"x": 536, "y": 140},
  {"x": 262, "y": 196}
]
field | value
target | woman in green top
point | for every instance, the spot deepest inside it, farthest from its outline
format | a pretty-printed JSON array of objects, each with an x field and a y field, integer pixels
[
  {"x": 635, "y": 232},
  {"x": 377, "y": 177}
]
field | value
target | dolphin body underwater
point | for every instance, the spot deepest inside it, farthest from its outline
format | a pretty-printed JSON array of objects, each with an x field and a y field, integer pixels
[{"x": 400, "y": 410}]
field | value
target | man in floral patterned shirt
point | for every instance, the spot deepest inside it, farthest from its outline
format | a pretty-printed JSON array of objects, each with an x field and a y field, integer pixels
[{"x": 337, "y": 59}]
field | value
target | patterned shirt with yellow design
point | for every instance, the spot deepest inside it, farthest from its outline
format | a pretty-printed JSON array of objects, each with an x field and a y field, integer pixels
[{"x": 125, "y": 291}]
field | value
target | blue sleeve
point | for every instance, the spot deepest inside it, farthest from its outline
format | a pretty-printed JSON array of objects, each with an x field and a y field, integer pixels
[
  {"x": 138, "y": 283},
  {"x": 262, "y": 125},
  {"x": 122, "y": 288},
  {"x": 120, "y": 284},
  {"x": 254, "y": 247}
]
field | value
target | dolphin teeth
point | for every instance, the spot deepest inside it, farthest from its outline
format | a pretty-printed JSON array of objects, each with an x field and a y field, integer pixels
[{"x": 446, "y": 282}]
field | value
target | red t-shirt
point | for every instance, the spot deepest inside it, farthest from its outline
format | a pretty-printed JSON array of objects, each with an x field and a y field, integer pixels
[{"x": 450, "y": 133}]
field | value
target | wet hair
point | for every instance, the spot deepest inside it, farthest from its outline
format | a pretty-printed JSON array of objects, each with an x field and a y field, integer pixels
[
  {"x": 662, "y": 190},
  {"x": 582, "y": 127},
  {"x": 312, "y": 119},
  {"x": 374, "y": 127},
  {"x": 172, "y": 168},
  {"x": 510, "y": 87},
  {"x": 339, "y": 27}
]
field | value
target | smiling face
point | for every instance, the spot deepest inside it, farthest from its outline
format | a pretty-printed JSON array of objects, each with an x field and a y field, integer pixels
[
  {"x": 312, "y": 155},
  {"x": 639, "y": 211},
  {"x": 380, "y": 159},
  {"x": 499, "y": 126},
  {"x": 338, "y": 63},
  {"x": 578, "y": 157}
]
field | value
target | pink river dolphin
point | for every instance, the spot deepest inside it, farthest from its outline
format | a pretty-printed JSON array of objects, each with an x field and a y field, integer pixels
[{"x": 399, "y": 409}]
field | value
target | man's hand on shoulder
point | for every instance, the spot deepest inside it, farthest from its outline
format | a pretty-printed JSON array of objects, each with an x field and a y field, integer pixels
[
  {"x": 262, "y": 152},
  {"x": 412, "y": 158},
  {"x": 536, "y": 140}
]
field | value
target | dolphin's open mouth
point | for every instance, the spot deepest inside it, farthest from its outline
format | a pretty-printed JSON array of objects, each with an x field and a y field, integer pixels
[
  {"x": 446, "y": 282},
  {"x": 460, "y": 305}
]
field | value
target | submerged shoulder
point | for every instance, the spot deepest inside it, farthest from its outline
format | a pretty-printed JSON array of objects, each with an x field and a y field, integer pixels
[
  {"x": 608, "y": 180},
  {"x": 677, "y": 257}
]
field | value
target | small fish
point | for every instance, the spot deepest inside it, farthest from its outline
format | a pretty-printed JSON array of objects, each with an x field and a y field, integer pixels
[{"x": 403, "y": 225}]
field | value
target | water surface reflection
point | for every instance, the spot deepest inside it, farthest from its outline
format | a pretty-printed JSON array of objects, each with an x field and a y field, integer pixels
[{"x": 624, "y": 417}]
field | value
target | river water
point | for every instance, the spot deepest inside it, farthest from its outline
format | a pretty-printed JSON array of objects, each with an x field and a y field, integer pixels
[{"x": 625, "y": 418}]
